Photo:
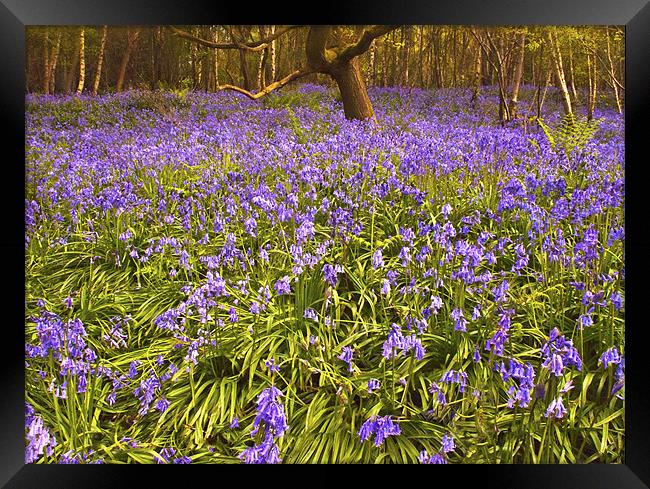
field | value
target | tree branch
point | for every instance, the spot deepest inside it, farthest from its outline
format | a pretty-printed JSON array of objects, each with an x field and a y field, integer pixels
[
  {"x": 269, "y": 88},
  {"x": 604, "y": 65},
  {"x": 363, "y": 44},
  {"x": 247, "y": 46}
]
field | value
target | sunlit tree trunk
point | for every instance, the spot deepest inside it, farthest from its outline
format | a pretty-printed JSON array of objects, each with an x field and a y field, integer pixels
[
  {"x": 261, "y": 68},
  {"x": 617, "y": 96},
  {"x": 556, "y": 59},
  {"x": 100, "y": 60},
  {"x": 592, "y": 85},
  {"x": 574, "y": 92},
  {"x": 82, "y": 61},
  {"x": 272, "y": 56}
]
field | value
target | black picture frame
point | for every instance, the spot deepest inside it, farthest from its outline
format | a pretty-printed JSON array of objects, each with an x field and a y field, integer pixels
[{"x": 15, "y": 15}]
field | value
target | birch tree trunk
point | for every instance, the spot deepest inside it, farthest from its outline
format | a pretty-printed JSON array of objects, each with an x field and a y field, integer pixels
[
  {"x": 100, "y": 60},
  {"x": 617, "y": 95},
  {"x": 272, "y": 55},
  {"x": 556, "y": 58},
  {"x": 82, "y": 61},
  {"x": 592, "y": 82}
]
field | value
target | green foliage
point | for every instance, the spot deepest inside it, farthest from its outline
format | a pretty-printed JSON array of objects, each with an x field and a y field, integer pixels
[
  {"x": 570, "y": 133},
  {"x": 294, "y": 98}
]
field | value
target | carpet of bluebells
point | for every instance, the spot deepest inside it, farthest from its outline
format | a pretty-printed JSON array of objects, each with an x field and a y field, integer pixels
[{"x": 211, "y": 279}]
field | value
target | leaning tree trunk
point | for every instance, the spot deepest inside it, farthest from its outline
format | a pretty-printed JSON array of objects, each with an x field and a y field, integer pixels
[
  {"x": 617, "y": 96},
  {"x": 100, "y": 60},
  {"x": 354, "y": 95},
  {"x": 516, "y": 81},
  {"x": 55, "y": 59},
  {"x": 132, "y": 38},
  {"x": 556, "y": 57}
]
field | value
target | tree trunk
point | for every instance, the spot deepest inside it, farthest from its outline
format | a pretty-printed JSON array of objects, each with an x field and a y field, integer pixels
[
  {"x": 272, "y": 55},
  {"x": 132, "y": 38},
  {"x": 574, "y": 92},
  {"x": 617, "y": 96},
  {"x": 543, "y": 97},
  {"x": 216, "y": 59},
  {"x": 45, "y": 88},
  {"x": 354, "y": 95},
  {"x": 591, "y": 99},
  {"x": 70, "y": 76},
  {"x": 516, "y": 80},
  {"x": 406, "y": 41},
  {"x": 477, "y": 77},
  {"x": 556, "y": 57},
  {"x": 55, "y": 59},
  {"x": 100, "y": 60},
  {"x": 261, "y": 67},
  {"x": 82, "y": 61}
]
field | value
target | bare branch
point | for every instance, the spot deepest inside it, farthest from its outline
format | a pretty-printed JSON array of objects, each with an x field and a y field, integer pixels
[
  {"x": 247, "y": 46},
  {"x": 269, "y": 88},
  {"x": 363, "y": 44}
]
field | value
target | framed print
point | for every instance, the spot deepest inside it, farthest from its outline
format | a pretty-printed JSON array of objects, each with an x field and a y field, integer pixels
[{"x": 373, "y": 235}]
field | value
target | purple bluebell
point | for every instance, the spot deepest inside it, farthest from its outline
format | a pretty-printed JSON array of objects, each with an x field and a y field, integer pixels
[
  {"x": 373, "y": 385},
  {"x": 381, "y": 427},
  {"x": 310, "y": 314},
  {"x": 346, "y": 356},
  {"x": 282, "y": 286}
]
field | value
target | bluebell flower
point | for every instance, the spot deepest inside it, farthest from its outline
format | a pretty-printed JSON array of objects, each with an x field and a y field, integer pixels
[
  {"x": 461, "y": 322},
  {"x": 477, "y": 355},
  {"x": 271, "y": 415},
  {"x": 559, "y": 353},
  {"x": 385, "y": 287},
  {"x": 162, "y": 405},
  {"x": 556, "y": 409},
  {"x": 282, "y": 286},
  {"x": 232, "y": 313},
  {"x": 40, "y": 440},
  {"x": 346, "y": 356},
  {"x": 271, "y": 365},
  {"x": 310, "y": 314},
  {"x": 381, "y": 427},
  {"x": 616, "y": 300},
  {"x": 610, "y": 356},
  {"x": 331, "y": 273},
  {"x": 377, "y": 259},
  {"x": 373, "y": 385},
  {"x": 448, "y": 444}
]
